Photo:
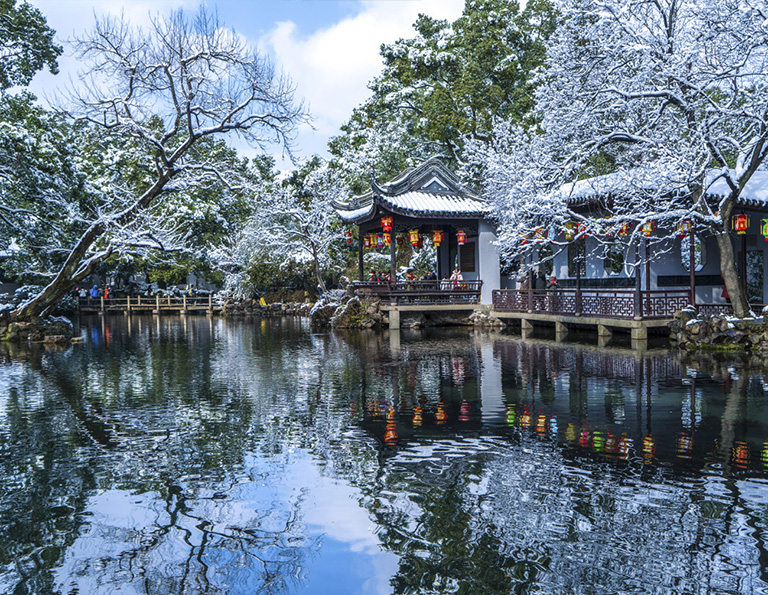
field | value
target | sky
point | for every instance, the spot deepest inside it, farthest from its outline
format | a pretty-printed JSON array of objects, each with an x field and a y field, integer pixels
[{"x": 330, "y": 48}]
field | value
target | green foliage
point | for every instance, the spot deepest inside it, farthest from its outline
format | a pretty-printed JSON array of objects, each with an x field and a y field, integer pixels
[
  {"x": 449, "y": 82},
  {"x": 26, "y": 42}
]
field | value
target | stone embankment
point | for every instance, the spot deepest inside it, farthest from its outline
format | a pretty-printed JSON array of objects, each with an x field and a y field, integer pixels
[
  {"x": 253, "y": 308},
  {"x": 694, "y": 332},
  {"x": 52, "y": 330},
  {"x": 339, "y": 310}
]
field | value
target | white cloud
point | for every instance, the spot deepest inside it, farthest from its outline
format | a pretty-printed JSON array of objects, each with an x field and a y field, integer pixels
[{"x": 332, "y": 67}]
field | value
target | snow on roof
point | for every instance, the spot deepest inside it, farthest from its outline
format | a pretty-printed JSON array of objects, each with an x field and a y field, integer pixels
[
  {"x": 592, "y": 187},
  {"x": 755, "y": 192},
  {"x": 417, "y": 201},
  {"x": 429, "y": 190},
  {"x": 355, "y": 214}
]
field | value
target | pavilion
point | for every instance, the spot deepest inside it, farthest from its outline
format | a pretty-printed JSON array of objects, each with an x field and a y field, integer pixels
[{"x": 429, "y": 202}]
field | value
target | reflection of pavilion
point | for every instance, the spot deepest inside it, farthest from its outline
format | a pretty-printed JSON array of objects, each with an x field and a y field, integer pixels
[{"x": 617, "y": 403}]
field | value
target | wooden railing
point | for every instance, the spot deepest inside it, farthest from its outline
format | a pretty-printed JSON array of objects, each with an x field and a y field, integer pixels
[
  {"x": 140, "y": 303},
  {"x": 423, "y": 292},
  {"x": 603, "y": 303}
]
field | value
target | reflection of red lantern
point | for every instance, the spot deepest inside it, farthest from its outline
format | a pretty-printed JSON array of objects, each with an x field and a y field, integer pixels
[
  {"x": 414, "y": 237},
  {"x": 437, "y": 237},
  {"x": 741, "y": 455},
  {"x": 461, "y": 237},
  {"x": 417, "y": 418},
  {"x": 584, "y": 438},
  {"x": 390, "y": 434},
  {"x": 684, "y": 445},
  {"x": 525, "y": 419},
  {"x": 740, "y": 223},
  {"x": 386, "y": 223},
  {"x": 464, "y": 411},
  {"x": 649, "y": 447},
  {"x": 541, "y": 425},
  {"x": 683, "y": 228},
  {"x": 625, "y": 447},
  {"x": 440, "y": 414},
  {"x": 367, "y": 242},
  {"x": 387, "y": 238},
  {"x": 348, "y": 236}
]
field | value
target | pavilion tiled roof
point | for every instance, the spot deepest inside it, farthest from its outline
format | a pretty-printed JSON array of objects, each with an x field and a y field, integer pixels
[{"x": 429, "y": 190}]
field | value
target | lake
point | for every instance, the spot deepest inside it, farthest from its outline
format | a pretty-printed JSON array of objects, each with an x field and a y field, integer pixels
[{"x": 204, "y": 455}]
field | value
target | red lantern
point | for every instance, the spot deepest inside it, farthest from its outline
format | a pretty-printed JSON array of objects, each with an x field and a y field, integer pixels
[
  {"x": 414, "y": 237},
  {"x": 570, "y": 230},
  {"x": 387, "y": 239},
  {"x": 461, "y": 237},
  {"x": 348, "y": 236},
  {"x": 367, "y": 242},
  {"x": 400, "y": 240},
  {"x": 379, "y": 242},
  {"x": 386, "y": 223},
  {"x": 740, "y": 223},
  {"x": 648, "y": 228},
  {"x": 437, "y": 237},
  {"x": 625, "y": 229},
  {"x": 683, "y": 228}
]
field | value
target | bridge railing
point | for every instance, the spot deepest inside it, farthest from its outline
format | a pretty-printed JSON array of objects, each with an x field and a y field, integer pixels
[
  {"x": 423, "y": 292},
  {"x": 603, "y": 303}
]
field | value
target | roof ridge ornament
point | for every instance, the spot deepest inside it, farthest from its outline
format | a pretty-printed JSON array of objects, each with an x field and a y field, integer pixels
[{"x": 375, "y": 186}]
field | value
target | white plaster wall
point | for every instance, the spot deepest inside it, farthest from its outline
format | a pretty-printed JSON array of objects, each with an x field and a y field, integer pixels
[{"x": 489, "y": 265}]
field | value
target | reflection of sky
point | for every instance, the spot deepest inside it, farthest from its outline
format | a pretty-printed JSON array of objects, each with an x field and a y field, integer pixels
[{"x": 309, "y": 522}]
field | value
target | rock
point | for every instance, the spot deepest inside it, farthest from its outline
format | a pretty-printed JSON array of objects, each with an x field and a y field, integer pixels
[
  {"x": 54, "y": 339},
  {"x": 357, "y": 314},
  {"x": 481, "y": 318},
  {"x": 696, "y": 328}
]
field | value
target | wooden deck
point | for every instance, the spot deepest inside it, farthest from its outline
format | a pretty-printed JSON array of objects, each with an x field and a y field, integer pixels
[{"x": 155, "y": 304}]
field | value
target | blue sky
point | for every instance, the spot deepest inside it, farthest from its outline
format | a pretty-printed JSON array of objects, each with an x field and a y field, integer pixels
[{"x": 329, "y": 47}]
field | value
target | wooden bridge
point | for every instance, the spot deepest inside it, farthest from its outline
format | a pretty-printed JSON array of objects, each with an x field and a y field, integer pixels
[{"x": 150, "y": 304}]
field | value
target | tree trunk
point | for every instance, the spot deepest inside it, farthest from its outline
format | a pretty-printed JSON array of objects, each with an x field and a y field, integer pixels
[
  {"x": 736, "y": 292},
  {"x": 74, "y": 269}
]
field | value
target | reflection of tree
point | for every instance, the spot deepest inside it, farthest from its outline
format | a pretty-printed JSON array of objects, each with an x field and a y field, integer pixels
[{"x": 196, "y": 432}]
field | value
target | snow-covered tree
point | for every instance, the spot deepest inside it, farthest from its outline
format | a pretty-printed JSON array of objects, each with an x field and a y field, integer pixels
[
  {"x": 26, "y": 44},
  {"x": 159, "y": 93},
  {"x": 295, "y": 224},
  {"x": 448, "y": 81},
  {"x": 667, "y": 97}
]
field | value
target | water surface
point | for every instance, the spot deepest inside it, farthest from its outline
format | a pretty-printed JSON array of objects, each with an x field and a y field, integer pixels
[{"x": 198, "y": 455}]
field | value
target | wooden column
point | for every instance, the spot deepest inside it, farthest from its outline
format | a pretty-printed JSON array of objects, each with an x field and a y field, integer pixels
[
  {"x": 743, "y": 263},
  {"x": 360, "y": 254},
  {"x": 393, "y": 254},
  {"x": 577, "y": 305},
  {"x": 638, "y": 284}
]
